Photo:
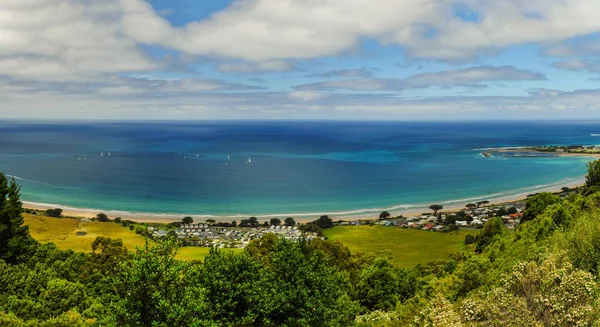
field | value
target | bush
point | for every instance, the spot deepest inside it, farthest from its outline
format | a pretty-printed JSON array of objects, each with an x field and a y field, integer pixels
[{"x": 56, "y": 213}]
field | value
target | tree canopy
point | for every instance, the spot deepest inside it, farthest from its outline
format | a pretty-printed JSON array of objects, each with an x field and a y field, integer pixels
[
  {"x": 436, "y": 208},
  {"x": 289, "y": 221}
]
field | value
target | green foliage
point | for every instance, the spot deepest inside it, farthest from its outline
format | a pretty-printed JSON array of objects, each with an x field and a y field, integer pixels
[
  {"x": 536, "y": 204},
  {"x": 289, "y": 221},
  {"x": 187, "y": 220},
  {"x": 15, "y": 241},
  {"x": 232, "y": 288},
  {"x": 384, "y": 215},
  {"x": 378, "y": 286},
  {"x": 56, "y": 213},
  {"x": 324, "y": 222},
  {"x": 275, "y": 222},
  {"x": 552, "y": 293},
  {"x": 436, "y": 208},
  {"x": 501, "y": 212},
  {"x": 312, "y": 228},
  {"x": 512, "y": 210},
  {"x": 102, "y": 217},
  {"x": 592, "y": 179},
  {"x": 469, "y": 239},
  {"x": 151, "y": 289},
  {"x": 491, "y": 228},
  {"x": 381, "y": 285}
]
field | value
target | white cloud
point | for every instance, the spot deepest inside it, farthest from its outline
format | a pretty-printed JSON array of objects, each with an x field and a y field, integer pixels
[
  {"x": 306, "y": 96},
  {"x": 472, "y": 75},
  {"x": 261, "y": 30},
  {"x": 359, "y": 72},
  {"x": 467, "y": 77},
  {"x": 548, "y": 104},
  {"x": 66, "y": 40},
  {"x": 259, "y": 67},
  {"x": 592, "y": 66}
]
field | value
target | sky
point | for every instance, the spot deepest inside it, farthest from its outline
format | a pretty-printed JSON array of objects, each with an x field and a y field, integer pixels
[{"x": 300, "y": 59}]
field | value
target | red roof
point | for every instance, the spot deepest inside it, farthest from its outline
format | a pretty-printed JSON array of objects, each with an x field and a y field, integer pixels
[{"x": 516, "y": 215}]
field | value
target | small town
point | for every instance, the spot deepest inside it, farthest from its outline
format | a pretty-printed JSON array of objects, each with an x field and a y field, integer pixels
[{"x": 227, "y": 235}]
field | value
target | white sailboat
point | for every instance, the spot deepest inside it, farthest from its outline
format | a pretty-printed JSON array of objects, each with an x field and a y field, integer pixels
[
  {"x": 109, "y": 154},
  {"x": 102, "y": 154},
  {"x": 249, "y": 160}
]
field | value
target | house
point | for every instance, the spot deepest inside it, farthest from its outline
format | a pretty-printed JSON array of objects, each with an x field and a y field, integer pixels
[
  {"x": 516, "y": 215},
  {"x": 428, "y": 227}
]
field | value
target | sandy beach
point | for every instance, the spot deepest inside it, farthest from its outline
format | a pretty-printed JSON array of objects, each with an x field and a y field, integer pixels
[{"x": 449, "y": 206}]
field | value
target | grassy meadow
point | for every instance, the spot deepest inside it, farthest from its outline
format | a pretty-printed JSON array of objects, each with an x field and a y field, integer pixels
[
  {"x": 62, "y": 232},
  {"x": 407, "y": 247}
]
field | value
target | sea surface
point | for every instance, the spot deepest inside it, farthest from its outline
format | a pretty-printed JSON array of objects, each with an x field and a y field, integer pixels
[{"x": 282, "y": 168}]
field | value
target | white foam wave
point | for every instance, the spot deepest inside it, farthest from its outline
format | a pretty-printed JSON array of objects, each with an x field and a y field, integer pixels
[{"x": 31, "y": 181}]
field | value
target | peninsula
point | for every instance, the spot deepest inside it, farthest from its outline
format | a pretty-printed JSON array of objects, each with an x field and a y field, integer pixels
[{"x": 545, "y": 151}]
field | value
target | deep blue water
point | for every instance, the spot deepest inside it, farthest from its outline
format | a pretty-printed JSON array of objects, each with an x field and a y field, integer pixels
[{"x": 297, "y": 167}]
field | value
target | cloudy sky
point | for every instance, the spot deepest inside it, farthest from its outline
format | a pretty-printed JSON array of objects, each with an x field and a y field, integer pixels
[{"x": 300, "y": 59}]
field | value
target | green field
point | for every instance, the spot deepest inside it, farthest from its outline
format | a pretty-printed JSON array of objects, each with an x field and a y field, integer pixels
[
  {"x": 62, "y": 232},
  {"x": 407, "y": 247}
]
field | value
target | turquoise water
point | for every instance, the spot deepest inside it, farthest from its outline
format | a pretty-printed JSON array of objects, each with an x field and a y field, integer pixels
[{"x": 296, "y": 168}]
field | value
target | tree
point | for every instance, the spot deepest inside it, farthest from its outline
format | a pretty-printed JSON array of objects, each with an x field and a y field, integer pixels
[
  {"x": 491, "y": 228},
  {"x": 275, "y": 222},
  {"x": 312, "y": 228},
  {"x": 56, "y": 213},
  {"x": 240, "y": 275},
  {"x": 15, "y": 241},
  {"x": 211, "y": 221},
  {"x": 512, "y": 210},
  {"x": 592, "y": 179},
  {"x": 234, "y": 223},
  {"x": 501, "y": 212},
  {"x": 324, "y": 222},
  {"x": 565, "y": 189},
  {"x": 384, "y": 215},
  {"x": 187, "y": 220},
  {"x": 436, "y": 208},
  {"x": 313, "y": 292},
  {"x": 102, "y": 217},
  {"x": 468, "y": 219},
  {"x": 118, "y": 220},
  {"x": 289, "y": 221},
  {"x": 469, "y": 239},
  {"x": 484, "y": 202},
  {"x": 152, "y": 289},
  {"x": 378, "y": 286},
  {"x": 536, "y": 204},
  {"x": 471, "y": 206}
]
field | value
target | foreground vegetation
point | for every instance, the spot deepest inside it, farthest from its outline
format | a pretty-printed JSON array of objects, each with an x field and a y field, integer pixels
[
  {"x": 406, "y": 248},
  {"x": 542, "y": 274}
]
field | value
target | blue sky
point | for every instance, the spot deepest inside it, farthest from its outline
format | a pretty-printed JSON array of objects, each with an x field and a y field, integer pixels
[{"x": 300, "y": 59}]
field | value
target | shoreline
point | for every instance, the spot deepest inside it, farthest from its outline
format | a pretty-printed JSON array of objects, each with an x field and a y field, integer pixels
[{"x": 365, "y": 214}]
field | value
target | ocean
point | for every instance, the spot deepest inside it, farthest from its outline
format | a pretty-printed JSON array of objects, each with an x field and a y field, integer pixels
[{"x": 282, "y": 168}]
